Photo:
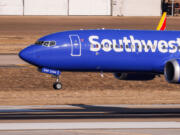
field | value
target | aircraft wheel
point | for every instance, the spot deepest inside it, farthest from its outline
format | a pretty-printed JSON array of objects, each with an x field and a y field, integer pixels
[{"x": 57, "y": 86}]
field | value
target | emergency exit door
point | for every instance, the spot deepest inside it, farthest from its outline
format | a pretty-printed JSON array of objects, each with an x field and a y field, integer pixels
[{"x": 75, "y": 45}]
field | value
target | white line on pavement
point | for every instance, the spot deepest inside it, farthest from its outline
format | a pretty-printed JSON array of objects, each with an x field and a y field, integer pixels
[{"x": 89, "y": 125}]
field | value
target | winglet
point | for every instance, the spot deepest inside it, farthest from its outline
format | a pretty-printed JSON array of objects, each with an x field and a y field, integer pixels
[{"x": 162, "y": 23}]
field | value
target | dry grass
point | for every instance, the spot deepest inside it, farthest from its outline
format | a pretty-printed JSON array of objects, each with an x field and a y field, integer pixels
[{"x": 25, "y": 86}]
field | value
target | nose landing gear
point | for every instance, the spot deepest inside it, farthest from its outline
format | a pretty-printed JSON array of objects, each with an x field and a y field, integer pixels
[
  {"x": 55, "y": 73},
  {"x": 57, "y": 85}
]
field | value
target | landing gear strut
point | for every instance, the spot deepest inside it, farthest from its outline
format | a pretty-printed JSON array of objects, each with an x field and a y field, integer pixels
[
  {"x": 57, "y": 85},
  {"x": 55, "y": 73}
]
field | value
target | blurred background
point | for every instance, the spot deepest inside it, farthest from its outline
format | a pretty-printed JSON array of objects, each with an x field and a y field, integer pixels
[{"x": 90, "y": 7}]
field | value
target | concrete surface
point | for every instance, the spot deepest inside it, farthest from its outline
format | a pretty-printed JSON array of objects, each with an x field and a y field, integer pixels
[
  {"x": 96, "y": 132},
  {"x": 89, "y": 125},
  {"x": 36, "y": 120},
  {"x": 90, "y": 113},
  {"x": 11, "y": 60}
]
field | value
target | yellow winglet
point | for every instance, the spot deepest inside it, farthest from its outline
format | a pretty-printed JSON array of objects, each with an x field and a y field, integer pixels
[{"x": 162, "y": 23}]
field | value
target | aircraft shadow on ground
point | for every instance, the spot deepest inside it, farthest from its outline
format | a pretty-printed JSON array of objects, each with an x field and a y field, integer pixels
[{"x": 82, "y": 111}]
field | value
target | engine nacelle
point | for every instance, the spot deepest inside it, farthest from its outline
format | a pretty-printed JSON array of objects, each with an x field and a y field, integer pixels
[
  {"x": 172, "y": 71},
  {"x": 121, "y": 76},
  {"x": 134, "y": 76}
]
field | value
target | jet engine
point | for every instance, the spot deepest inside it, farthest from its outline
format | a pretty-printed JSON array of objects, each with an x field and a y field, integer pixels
[
  {"x": 172, "y": 71},
  {"x": 134, "y": 76},
  {"x": 121, "y": 76}
]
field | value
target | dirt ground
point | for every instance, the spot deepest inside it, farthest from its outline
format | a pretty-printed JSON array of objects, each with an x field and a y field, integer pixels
[{"x": 26, "y": 86}]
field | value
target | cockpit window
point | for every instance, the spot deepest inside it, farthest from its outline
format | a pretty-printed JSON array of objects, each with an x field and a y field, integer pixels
[
  {"x": 39, "y": 42},
  {"x": 46, "y": 43},
  {"x": 52, "y": 43}
]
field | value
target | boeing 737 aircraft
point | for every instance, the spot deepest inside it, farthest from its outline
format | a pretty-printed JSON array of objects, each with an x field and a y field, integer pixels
[{"x": 122, "y": 52}]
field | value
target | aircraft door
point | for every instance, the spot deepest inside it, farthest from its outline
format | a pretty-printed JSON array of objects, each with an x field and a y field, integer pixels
[{"x": 75, "y": 45}]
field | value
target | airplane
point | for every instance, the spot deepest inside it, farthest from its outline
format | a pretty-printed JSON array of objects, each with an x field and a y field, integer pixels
[{"x": 128, "y": 54}]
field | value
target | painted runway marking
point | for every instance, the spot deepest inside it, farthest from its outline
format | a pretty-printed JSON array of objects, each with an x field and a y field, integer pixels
[{"x": 89, "y": 125}]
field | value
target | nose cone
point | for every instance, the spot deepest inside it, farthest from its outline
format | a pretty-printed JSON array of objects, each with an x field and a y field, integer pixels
[{"x": 27, "y": 55}]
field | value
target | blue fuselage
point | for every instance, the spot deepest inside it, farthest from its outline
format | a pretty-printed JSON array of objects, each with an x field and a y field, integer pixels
[{"x": 105, "y": 50}]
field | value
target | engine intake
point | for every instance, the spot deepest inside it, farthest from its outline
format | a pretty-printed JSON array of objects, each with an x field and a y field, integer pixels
[{"x": 172, "y": 71}]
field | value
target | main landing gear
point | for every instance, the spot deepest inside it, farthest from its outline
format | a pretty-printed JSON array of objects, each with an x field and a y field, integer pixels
[{"x": 57, "y": 85}]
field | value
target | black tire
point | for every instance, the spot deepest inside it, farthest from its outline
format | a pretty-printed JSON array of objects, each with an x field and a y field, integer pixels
[{"x": 57, "y": 86}]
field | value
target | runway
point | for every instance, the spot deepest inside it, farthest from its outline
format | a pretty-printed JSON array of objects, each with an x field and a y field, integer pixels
[
  {"x": 96, "y": 132},
  {"x": 90, "y": 119},
  {"x": 94, "y": 116},
  {"x": 90, "y": 113},
  {"x": 89, "y": 125}
]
